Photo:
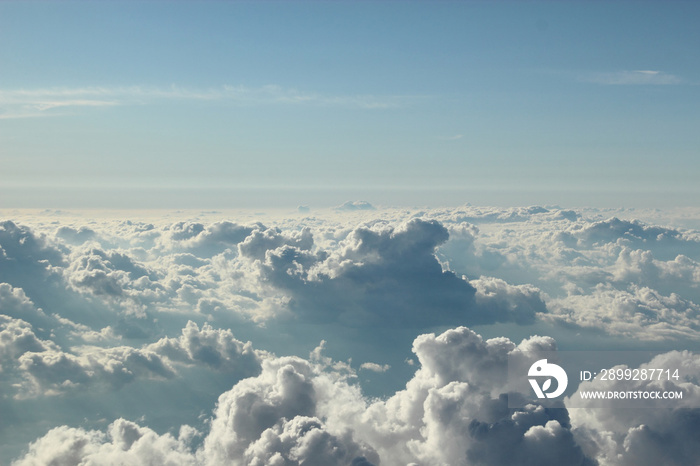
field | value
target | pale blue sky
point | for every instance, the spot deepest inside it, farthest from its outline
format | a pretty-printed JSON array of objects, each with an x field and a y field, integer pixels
[{"x": 120, "y": 104}]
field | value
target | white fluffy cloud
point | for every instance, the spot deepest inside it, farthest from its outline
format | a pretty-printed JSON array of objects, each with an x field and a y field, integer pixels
[
  {"x": 218, "y": 349},
  {"x": 651, "y": 435},
  {"x": 124, "y": 443},
  {"x": 110, "y": 309},
  {"x": 638, "y": 312},
  {"x": 17, "y": 337},
  {"x": 51, "y": 372},
  {"x": 271, "y": 419},
  {"x": 519, "y": 263},
  {"x": 378, "y": 276},
  {"x": 296, "y": 411}
]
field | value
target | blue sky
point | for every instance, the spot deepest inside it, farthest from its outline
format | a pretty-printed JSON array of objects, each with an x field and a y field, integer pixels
[{"x": 108, "y": 104}]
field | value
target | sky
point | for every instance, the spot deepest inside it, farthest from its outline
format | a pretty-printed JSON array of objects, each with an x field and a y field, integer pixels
[
  {"x": 164, "y": 104},
  {"x": 348, "y": 233}
]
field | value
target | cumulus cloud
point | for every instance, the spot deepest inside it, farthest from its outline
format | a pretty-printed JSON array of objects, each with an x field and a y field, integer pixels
[
  {"x": 630, "y": 232},
  {"x": 205, "y": 240},
  {"x": 44, "y": 368},
  {"x": 304, "y": 440},
  {"x": 15, "y": 303},
  {"x": 271, "y": 418},
  {"x": 522, "y": 302},
  {"x": 75, "y": 235},
  {"x": 217, "y": 348},
  {"x": 259, "y": 242},
  {"x": 384, "y": 272},
  {"x": 360, "y": 275},
  {"x": 620, "y": 435},
  {"x": 121, "y": 308},
  {"x": 453, "y": 411},
  {"x": 639, "y": 312},
  {"x": 641, "y": 268},
  {"x": 477, "y": 214},
  {"x": 26, "y": 259},
  {"x": 52, "y": 372},
  {"x": 104, "y": 272},
  {"x": 374, "y": 367},
  {"x": 17, "y": 337},
  {"x": 124, "y": 443},
  {"x": 355, "y": 205},
  {"x": 382, "y": 276}
]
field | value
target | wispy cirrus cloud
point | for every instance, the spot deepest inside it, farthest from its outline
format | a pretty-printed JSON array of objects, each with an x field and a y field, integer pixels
[
  {"x": 633, "y": 77},
  {"x": 455, "y": 137},
  {"x": 26, "y": 103}
]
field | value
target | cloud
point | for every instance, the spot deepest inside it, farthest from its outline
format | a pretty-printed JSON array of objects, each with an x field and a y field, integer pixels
[
  {"x": 271, "y": 418},
  {"x": 23, "y": 248},
  {"x": 633, "y": 77},
  {"x": 75, "y": 236},
  {"x": 639, "y": 312},
  {"x": 283, "y": 390},
  {"x": 277, "y": 417},
  {"x": 453, "y": 411},
  {"x": 15, "y": 303},
  {"x": 638, "y": 267},
  {"x": 16, "y": 306},
  {"x": 16, "y": 338},
  {"x": 382, "y": 277},
  {"x": 355, "y": 205},
  {"x": 205, "y": 240},
  {"x": 97, "y": 316},
  {"x": 386, "y": 277},
  {"x": 46, "y": 369},
  {"x": 298, "y": 412},
  {"x": 51, "y": 372},
  {"x": 459, "y": 386},
  {"x": 305, "y": 440},
  {"x": 257, "y": 244},
  {"x": 631, "y": 232},
  {"x": 478, "y": 214},
  {"x": 533, "y": 436},
  {"x": 30, "y": 263},
  {"x": 521, "y": 263},
  {"x": 621, "y": 436},
  {"x": 374, "y": 367},
  {"x": 105, "y": 272},
  {"x": 456, "y": 137},
  {"x": 620, "y": 276},
  {"x": 28, "y": 103},
  {"x": 496, "y": 296},
  {"x": 124, "y": 443},
  {"x": 217, "y": 348}
]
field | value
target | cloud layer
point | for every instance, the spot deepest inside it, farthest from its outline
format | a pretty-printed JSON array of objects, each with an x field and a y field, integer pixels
[{"x": 195, "y": 340}]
